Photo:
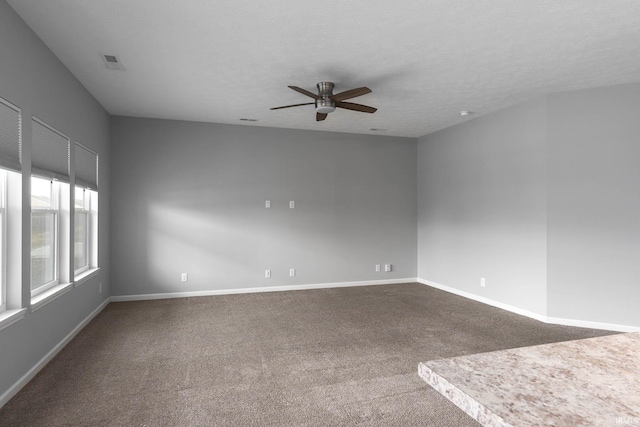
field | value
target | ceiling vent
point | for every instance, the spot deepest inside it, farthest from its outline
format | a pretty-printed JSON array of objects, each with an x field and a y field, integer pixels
[{"x": 112, "y": 62}]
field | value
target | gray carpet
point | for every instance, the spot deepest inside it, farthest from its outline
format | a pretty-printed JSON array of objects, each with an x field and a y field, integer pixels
[{"x": 329, "y": 357}]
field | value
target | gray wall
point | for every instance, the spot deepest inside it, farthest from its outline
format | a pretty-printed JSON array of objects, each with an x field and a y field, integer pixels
[
  {"x": 541, "y": 199},
  {"x": 189, "y": 197},
  {"x": 34, "y": 79},
  {"x": 594, "y": 204},
  {"x": 482, "y": 206}
]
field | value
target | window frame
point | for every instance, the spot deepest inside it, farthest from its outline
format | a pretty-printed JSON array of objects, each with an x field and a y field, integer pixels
[{"x": 55, "y": 210}]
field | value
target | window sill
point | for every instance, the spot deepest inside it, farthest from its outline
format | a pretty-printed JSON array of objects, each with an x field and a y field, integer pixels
[
  {"x": 86, "y": 275},
  {"x": 46, "y": 297},
  {"x": 9, "y": 317}
]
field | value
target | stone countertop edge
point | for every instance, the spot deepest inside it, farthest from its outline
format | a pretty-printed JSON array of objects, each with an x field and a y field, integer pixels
[{"x": 462, "y": 400}]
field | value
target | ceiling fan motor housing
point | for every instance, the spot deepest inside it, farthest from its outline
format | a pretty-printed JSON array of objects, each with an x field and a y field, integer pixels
[{"x": 325, "y": 104}]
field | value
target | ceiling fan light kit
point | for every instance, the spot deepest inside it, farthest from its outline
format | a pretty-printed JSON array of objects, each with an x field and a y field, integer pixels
[{"x": 326, "y": 102}]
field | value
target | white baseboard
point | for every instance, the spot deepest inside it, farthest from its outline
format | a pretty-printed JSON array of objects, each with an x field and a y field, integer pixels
[
  {"x": 484, "y": 300},
  {"x": 536, "y": 316},
  {"x": 592, "y": 325},
  {"x": 143, "y": 297},
  {"x": 15, "y": 388}
]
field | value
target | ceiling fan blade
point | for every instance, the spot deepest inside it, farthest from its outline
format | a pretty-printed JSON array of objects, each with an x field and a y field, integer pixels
[
  {"x": 320, "y": 117},
  {"x": 356, "y": 107},
  {"x": 352, "y": 93},
  {"x": 305, "y": 92},
  {"x": 294, "y": 105}
]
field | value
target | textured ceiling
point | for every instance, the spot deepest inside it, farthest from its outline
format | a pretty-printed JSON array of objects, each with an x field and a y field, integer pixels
[{"x": 425, "y": 60}]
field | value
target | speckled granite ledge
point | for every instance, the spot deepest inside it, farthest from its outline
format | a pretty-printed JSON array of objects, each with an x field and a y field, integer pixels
[{"x": 590, "y": 382}]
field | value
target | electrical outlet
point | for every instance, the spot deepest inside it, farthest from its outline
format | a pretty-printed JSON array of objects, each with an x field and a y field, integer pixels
[
  {"x": 184, "y": 277},
  {"x": 267, "y": 274},
  {"x": 387, "y": 267},
  {"x": 292, "y": 272},
  {"x": 267, "y": 204},
  {"x": 292, "y": 204},
  {"x": 377, "y": 268},
  {"x": 482, "y": 282}
]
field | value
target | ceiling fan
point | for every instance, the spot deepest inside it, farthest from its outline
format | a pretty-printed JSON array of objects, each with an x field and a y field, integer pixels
[{"x": 326, "y": 102}]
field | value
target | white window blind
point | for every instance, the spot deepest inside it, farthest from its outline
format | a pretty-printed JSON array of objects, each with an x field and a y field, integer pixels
[
  {"x": 86, "y": 168},
  {"x": 10, "y": 136},
  {"x": 50, "y": 152}
]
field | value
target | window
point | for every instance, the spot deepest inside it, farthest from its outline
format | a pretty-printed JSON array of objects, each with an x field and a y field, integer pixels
[
  {"x": 81, "y": 230},
  {"x": 10, "y": 200},
  {"x": 3, "y": 258},
  {"x": 50, "y": 210},
  {"x": 44, "y": 235},
  {"x": 10, "y": 241},
  {"x": 85, "y": 210}
]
